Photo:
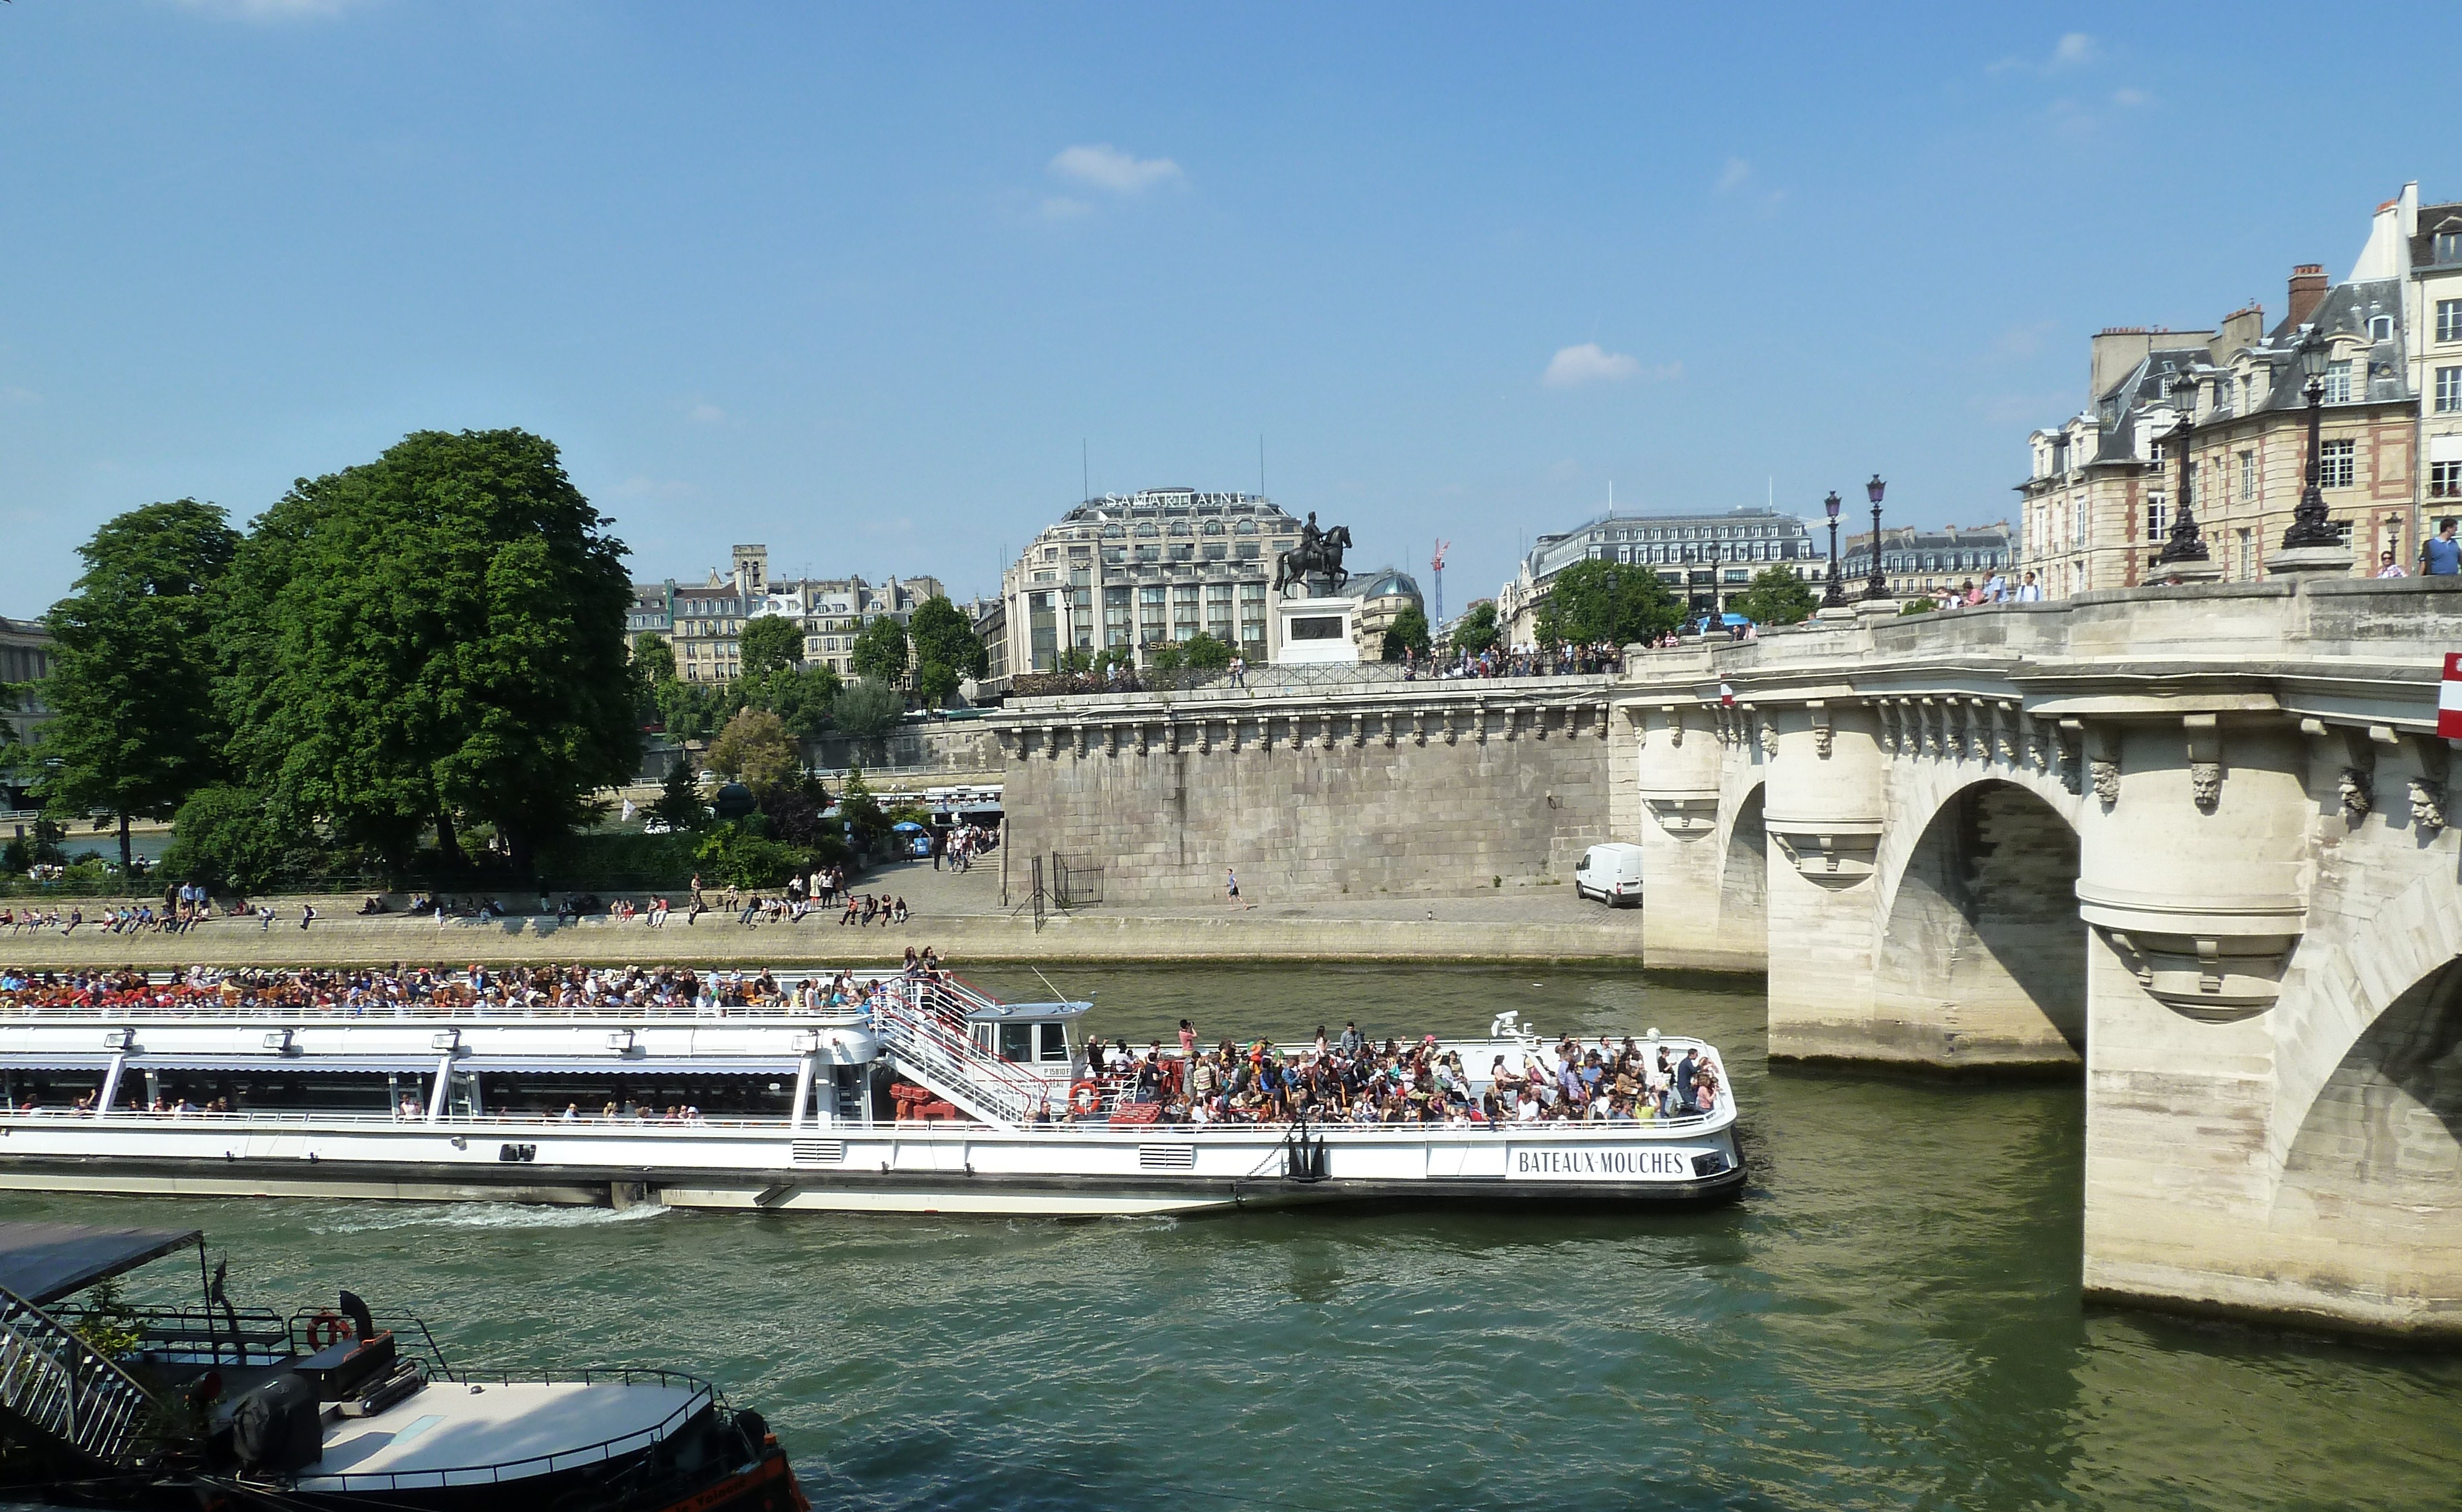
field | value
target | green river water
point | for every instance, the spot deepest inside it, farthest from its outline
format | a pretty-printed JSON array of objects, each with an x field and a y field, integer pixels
[{"x": 1889, "y": 1318}]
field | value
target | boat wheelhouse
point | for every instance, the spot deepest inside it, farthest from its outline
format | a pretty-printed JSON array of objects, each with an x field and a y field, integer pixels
[{"x": 888, "y": 1092}]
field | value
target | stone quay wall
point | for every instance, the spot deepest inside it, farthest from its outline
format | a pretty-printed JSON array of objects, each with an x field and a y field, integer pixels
[{"x": 1422, "y": 787}]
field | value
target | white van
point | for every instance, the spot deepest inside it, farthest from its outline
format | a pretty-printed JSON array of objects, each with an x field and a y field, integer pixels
[{"x": 1611, "y": 874}]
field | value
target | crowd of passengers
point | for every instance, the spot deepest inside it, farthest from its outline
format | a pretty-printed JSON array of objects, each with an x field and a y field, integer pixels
[
  {"x": 1352, "y": 1079},
  {"x": 359, "y": 990}
]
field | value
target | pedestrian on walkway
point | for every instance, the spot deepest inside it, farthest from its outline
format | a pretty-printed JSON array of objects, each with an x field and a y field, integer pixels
[
  {"x": 1231, "y": 886},
  {"x": 2441, "y": 555}
]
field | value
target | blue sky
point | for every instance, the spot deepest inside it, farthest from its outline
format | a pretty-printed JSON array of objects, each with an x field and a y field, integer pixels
[{"x": 859, "y": 281}]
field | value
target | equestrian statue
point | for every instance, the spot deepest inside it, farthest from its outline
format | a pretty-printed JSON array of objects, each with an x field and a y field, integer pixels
[{"x": 1318, "y": 555}]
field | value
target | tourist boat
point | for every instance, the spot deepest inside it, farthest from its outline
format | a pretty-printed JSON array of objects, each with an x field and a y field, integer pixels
[
  {"x": 782, "y": 1108},
  {"x": 104, "y": 1404}
]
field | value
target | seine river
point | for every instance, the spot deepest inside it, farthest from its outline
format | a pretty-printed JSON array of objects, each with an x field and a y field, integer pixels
[{"x": 1890, "y": 1317}]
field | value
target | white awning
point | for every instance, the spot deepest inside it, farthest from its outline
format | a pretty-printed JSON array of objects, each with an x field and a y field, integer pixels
[
  {"x": 616, "y": 1067},
  {"x": 2445, "y": 448}
]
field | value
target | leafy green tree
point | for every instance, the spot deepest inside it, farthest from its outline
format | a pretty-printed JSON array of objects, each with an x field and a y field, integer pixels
[
  {"x": 132, "y": 729},
  {"x": 740, "y": 856},
  {"x": 433, "y": 638},
  {"x": 1616, "y": 602},
  {"x": 756, "y": 750},
  {"x": 656, "y": 659},
  {"x": 680, "y": 804},
  {"x": 861, "y": 809},
  {"x": 1207, "y": 653},
  {"x": 1165, "y": 656},
  {"x": 1408, "y": 634},
  {"x": 1478, "y": 631},
  {"x": 227, "y": 836},
  {"x": 869, "y": 710},
  {"x": 801, "y": 697},
  {"x": 880, "y": 653},
  {"x": 770, "y": 643},
  {"x": 947, "y": 651},
  {"x": 1917, "y": 605},
  {"x": 1777, "y": 597}
]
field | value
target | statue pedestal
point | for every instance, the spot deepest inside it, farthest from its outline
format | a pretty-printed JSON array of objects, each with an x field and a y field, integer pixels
[
  {"x": 2206, "y": 572},
  {"x": 1876, "y": 609},
  {"x": 2311, "y": 561},
  {"x": 1316, "y": 632}
]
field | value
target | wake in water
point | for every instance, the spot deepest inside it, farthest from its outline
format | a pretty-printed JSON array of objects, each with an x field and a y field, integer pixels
[{"x": 482, "y": 1216}]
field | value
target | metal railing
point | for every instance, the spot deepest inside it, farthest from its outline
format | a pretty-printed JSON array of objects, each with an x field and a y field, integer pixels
[
  {"x": 920, "y": 1023},
  {"x": 64, "y": 1391},
  {"x": 1260, "y": 681}
]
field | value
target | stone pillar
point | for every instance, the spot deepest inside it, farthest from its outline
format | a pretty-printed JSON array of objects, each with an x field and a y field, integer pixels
[
  {"x": 1676, "y": 761},
  {"x": 1824, "y": 820},
  {"x": 2195, "y": 876}
]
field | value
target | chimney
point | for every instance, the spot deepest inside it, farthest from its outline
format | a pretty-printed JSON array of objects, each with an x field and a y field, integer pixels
[{"x": 2307, "y": 291}]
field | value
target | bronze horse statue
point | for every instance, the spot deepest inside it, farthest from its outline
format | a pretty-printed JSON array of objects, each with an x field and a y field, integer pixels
[{"x": 1321, "y": 555}]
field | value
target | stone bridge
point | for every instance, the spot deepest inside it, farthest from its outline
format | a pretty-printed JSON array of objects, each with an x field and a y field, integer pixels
[{"x": 2190, "y": 843}]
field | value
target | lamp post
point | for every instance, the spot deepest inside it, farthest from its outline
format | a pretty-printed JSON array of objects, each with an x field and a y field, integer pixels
[
  {"x": 2309, "y": 526},
  {"x": 2186, "y": 543},
  {"x": 1835, "y": 595},
  {"x": 1878, "y": 586}
]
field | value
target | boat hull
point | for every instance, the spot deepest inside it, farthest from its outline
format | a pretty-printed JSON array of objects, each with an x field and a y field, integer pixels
[{"x": 893, "y": 1169}]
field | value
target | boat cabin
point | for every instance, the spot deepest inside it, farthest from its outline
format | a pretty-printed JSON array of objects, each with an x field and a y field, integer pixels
[{"x": 1042, "y": 1035}]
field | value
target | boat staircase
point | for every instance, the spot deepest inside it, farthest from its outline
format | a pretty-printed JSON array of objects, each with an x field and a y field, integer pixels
[
  {"x": 920, "y": 1023},
  {"x": 57, "y": 1393}
]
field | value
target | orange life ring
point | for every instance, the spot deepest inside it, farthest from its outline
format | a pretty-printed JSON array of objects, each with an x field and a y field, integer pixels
[
  {"x": 327, "y": 1329},
  {"x": 1085, "y": 1098}
]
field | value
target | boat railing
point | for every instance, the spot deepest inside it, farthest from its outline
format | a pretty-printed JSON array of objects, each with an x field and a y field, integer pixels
[
  {"x": 61, "y": 1390},
  {"x": 699, "y": 1396},
  {"x": 921, "y": 1022},
  {"x": 197, "y": 1334},
  {"x": 410, "y": 1332}
]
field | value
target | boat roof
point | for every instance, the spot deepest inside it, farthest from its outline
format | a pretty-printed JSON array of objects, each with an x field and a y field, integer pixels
[
  {"x": 995, "y": 1012},
  {"x": 487, "y": 1432},
  {"x": 43, "y": 1262}
]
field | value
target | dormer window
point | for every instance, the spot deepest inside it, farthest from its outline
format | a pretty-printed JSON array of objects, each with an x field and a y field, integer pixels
[
  {"x": 2338, "y": 382},
  {"x": 2449, "y": 243},
  {"x": 2380, "y": 327}
]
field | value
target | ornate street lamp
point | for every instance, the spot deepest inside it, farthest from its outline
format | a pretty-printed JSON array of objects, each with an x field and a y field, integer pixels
[
  {"x": 1835, "y": 595},
  {"x": 2186, "y": 543},
  {"x": 1878, "y": 586},
  {"x": 2309, "y": 526}
]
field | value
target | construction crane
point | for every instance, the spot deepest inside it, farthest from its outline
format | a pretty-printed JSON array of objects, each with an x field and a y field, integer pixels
[{"x": 1436, "y": 571}]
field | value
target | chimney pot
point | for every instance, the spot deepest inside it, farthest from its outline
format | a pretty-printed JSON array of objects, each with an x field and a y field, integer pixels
[{"x": 2307, "y": 291}]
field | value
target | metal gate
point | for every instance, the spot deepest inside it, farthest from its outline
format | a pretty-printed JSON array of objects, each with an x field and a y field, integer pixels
[{"x": 1076, "y": 880}]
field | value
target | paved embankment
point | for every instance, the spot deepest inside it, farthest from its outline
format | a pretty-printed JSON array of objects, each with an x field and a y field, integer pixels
[{"x": 959, "y": 917}]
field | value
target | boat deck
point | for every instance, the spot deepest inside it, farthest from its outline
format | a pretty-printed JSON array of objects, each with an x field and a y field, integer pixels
[{"x": 451, "y": 1434}]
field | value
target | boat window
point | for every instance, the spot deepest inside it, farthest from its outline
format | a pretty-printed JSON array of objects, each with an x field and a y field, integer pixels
[
  {"x": 1016, "y": 1042},
  {"x": 1055, "y": 1042}
]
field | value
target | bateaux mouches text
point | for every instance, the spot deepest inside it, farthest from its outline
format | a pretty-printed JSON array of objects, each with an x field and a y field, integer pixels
[{"x": 1643, "y": 1163}]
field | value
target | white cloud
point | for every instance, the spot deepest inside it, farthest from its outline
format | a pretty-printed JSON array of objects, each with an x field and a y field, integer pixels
[
  {"x": 1103, "y": 167},
  {"x": 1735, "y": 176},
  {"x": 2129, "y": 98},
  {"x": 2074, "y": 49},
  {"x": 1736, "y": 181},
  {"x": 268, "y": 9},
  {"x": 1591, "y": 363},
  {"x": 1061, "y": 207},
  {"x": 705, "y": 414}
]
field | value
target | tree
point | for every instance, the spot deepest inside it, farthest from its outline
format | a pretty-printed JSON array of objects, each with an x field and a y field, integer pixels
[
  {"x": 227, "y": 837},
  {"x": 869, "y": 710},
  {"x": 1407, "y": 634},
  {"x": 656, "y": 659},
  {"x": 132, "y": 729},
  {"x": 802, "y": 697},
  {"x": 860, "y": 809},
  {"x": 947, "y": 651},
  {"x": 436, "y": 637},
  {"x": 1478, "y": 631},
  {"x": 756, "y": 750},
  {"x": 1777, "y": 597},
  {"x": 1595, "y": 600},
  {"x": 1165, "y": 656},
  {"x": 1207, "y": 653},
  {"x": 879, "y": 651},
  {"x": 772, "y": 642},
  {"x": 680, "y": 806}
]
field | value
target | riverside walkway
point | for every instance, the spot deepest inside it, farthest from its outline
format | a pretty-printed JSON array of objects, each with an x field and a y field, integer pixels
[{"x": 958, "y": 914}]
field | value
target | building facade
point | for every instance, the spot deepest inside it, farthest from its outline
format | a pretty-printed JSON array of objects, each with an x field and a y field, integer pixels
[
  {"x": 1916, "y": 561},
  {"x": 1132, "y": 572},
  {"x": 2098, "y": 504},
  {"x": 1702, "y": 558},
  {"x": 2433, "y": 315},
  {"x": 1382, "y": 596},
  {"x": 25, "y": 659},
  {"x": 703, "y": 621}
]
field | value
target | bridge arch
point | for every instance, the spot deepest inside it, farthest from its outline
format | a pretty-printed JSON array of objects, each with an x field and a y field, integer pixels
[
  {"x": 1988, "y": 958},
  {"x": 1744, "y": 876}
]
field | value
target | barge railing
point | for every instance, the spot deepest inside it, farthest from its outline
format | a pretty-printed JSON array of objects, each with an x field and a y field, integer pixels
[{"x": 64, "y": 1392}]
